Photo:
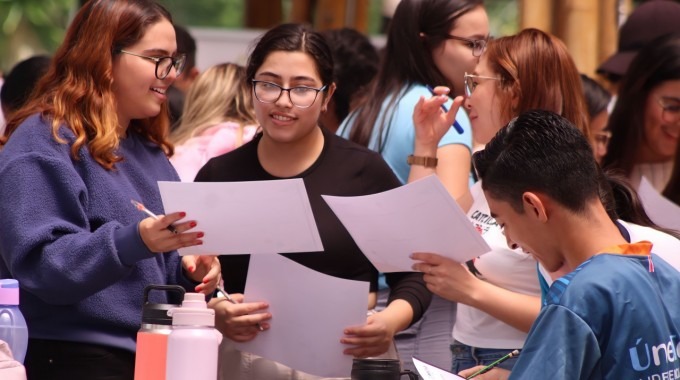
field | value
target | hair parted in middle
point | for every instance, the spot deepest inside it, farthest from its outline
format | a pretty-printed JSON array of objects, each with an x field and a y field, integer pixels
[
  {"x": 293, "y": 38},
  {"x": 539, "y": 151}
]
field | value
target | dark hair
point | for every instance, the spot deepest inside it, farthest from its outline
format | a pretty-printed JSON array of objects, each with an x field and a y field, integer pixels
[
  {"x": 77, "y": 90},
  {"x": 656, "y": 63},
  {"x": 622, "y": 202},
  {"x": 597, "y": 98},
  {"x": 292, "y": 38},
  {"x": 356, "y": 64},
  {"x": 672, "y": 190},
  {"x": 417, "y": 28},
  {"x": 186, "y": 44},
  {"x": 542, "y": 152},
  {"x": 21, "y": 81}
]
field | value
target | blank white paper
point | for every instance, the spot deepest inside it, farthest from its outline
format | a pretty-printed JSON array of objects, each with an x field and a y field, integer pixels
[
  {"x": 418, "y": 217},
  {"x": 430, "y": 372},
  {"x": 245, "y": 217},
  {"x": 310, "y": 311}
]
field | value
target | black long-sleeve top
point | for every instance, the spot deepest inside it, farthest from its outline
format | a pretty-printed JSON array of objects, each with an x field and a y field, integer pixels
[{"x": 342, "y": 169}]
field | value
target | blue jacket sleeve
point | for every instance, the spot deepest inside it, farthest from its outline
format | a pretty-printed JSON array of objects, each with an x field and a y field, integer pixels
[
  {"x": 46, "y": 226},
  {"x": 560, "y": 346}
]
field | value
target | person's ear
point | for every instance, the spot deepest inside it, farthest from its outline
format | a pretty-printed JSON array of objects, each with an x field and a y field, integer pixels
[
  {"x": 327, "y": 97},
  {"x": 535, "y": 206},
  {"x": 193, "y": 73}
]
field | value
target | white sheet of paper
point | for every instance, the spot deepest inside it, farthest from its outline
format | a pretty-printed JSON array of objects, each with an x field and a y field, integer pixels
[
  {"x": 418, "y": 217},
  {"x": 662, "y": 211},
  {"x": 246, "y": 217},
  {"x": 430, "y": 372},
  {"x": 309, "y": 311}
]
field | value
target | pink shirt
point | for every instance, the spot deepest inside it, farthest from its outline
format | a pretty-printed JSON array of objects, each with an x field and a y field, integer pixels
[{"x": 219, "y": 139}]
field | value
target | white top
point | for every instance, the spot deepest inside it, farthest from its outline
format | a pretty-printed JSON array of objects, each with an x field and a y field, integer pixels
[
  {"x": 509, "y": 269},
  {"x": 658, "y": 174},
  {"x": 664, "y": 245}
]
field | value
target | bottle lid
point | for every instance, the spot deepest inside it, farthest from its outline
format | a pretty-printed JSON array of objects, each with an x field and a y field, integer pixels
[
  {"x": 9, "y": 292},
  {"x": 157, "y": 313},
  {"x": 193, "y": 312}
]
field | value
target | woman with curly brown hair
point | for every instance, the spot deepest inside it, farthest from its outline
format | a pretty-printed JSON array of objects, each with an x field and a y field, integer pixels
[{"x": 92, "y": 139}]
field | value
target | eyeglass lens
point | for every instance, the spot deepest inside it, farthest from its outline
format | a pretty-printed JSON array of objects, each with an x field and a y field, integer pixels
[
  {"x": 302, "y": 97},
  {"x": 165, "y": 64}
]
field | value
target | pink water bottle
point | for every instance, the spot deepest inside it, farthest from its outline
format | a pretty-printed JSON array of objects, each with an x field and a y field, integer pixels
[
  {"x": 152, "y": 338},
  {"x": 193, "y": 343}
]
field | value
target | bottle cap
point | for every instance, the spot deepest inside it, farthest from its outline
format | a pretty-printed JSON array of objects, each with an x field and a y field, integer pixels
[
  {"x": 157, "y": 313},
  {"x": 193, "y": 312},
  {"x": 9, "y": 292}
]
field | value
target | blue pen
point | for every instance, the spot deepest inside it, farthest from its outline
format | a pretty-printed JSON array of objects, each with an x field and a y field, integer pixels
[{"x": 457, "y": 126}]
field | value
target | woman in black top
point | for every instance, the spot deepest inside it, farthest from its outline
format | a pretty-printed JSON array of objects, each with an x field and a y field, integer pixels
[{"x": 290, "y": 73}]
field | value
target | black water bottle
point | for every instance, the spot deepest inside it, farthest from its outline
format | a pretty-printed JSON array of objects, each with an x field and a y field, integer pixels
[{"x": 379, "y": 369}]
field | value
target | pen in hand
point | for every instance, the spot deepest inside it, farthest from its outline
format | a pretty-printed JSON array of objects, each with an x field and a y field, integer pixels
[
  {"x": 148, "y": 212},
  {"x": 231, "y": 300},
  {"x": 494, "y": 364},
  {"x": 457, "y": 126}
]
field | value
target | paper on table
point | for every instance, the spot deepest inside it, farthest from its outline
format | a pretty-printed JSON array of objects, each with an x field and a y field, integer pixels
[
  {"x": 430, "y": 372},
  {"x": 662, "y": 211},
  {"x": 246, "y": 217},
  {"x": 309, "y": 311},
  {"x": 418, "y": 217}
]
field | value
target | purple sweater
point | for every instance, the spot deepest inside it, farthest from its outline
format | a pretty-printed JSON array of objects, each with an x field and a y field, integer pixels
[{"x": 70, "y": 235}]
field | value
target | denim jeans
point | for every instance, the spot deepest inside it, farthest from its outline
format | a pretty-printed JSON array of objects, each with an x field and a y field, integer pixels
[{"x": 465, "y": 357}]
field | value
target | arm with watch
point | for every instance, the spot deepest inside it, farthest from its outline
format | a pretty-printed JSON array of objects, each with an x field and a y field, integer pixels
[{"x": 451, "y": 163}]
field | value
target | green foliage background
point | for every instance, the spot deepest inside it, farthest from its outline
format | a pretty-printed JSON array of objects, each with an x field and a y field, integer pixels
[{"x": 29, "y": 27}]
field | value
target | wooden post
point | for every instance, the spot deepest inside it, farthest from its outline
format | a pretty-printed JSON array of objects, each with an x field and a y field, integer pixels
[
  {"x": 608, "y": 28},
  {"x": 536, "y": 14},
  {"x": 330, "y": 14},
  {"x": 578, "y": 27},
  {"x": 301, "y": 12},
  {"x": 263, "y": 14}
]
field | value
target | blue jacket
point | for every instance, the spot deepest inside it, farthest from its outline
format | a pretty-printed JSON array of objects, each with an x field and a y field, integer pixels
[
  {"x": 70, "y": 235},
  {"x": 615, "y": 317}
]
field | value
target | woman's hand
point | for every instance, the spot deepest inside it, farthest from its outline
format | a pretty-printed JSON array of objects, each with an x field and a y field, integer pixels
[
  {"x": 494, "y": 374},
  {"x": 203, "y": 269},
  {"x": 158, "y": 238},
  {"x": 239, "y": 321},
  {"x": 445, "y": 277},
  {"x": 372, "y": 339},
  {"x": 430, "y": 121}
]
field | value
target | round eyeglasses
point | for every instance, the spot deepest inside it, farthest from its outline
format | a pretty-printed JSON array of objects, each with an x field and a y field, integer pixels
[
  {"x": 477, "y": 46},
  {"x": 163, "y": 64},
  {"x": 471, "y": 83},
  {"x": 300, "y": 96},
  {"x": 671, "y": 109}
]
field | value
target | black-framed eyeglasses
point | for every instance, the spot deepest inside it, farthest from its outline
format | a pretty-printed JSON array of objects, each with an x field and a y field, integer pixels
[
  {"x": 163, "y": 64},
  {"x": 671, "y": 109},
  {"x": 300, "y": 96},
  {"x": 471, "y": 83},
  {"x": 477, "y": 46}
]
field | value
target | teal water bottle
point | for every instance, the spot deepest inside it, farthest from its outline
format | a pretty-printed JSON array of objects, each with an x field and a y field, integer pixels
[{"x": 13, "y": 328}]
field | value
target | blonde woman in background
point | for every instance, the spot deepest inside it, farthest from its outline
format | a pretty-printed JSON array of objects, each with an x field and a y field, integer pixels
[{"x": 218, "y": 117}]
